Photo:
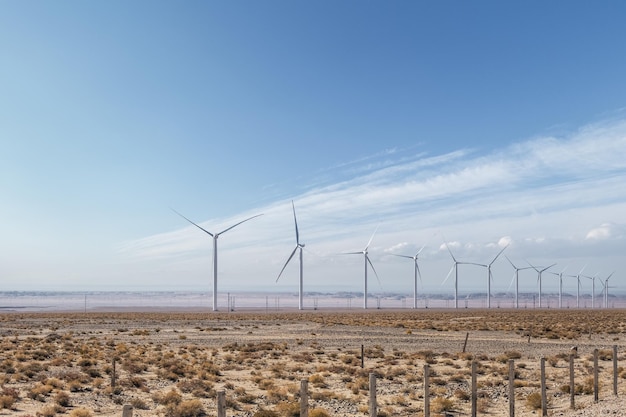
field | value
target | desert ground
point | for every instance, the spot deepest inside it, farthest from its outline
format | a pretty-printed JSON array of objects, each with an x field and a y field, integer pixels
[{"x": 174, "y": 363}]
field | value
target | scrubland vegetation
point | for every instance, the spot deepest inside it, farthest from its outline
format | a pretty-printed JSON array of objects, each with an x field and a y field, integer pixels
[{"x": 173, "y": 365}]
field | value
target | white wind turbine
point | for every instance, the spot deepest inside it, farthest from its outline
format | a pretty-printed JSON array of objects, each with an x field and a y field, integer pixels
[
  {"x": 455, "y": 267},
  {"x": 539, "y": 272},
  {"x": 577, "y": 276},
  {"x": 516, "y": 278},
  {"x": 605, "y": 289},
  {"x": 490, "y": 276},
  {"x": 299, "y": 246},
  {"x": 560, "y": 275},
  {"x": 593, "y": 288},
  {"x": 215, "y": 236},
  {"x": 417, "y": 273},
  {"x": 367, "y": 261}
]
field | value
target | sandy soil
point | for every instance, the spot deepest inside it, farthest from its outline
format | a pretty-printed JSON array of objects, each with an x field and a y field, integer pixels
[{"x": 62, "y": 364}]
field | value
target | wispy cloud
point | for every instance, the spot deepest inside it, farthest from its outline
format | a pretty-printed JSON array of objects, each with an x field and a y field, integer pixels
[{"x": 547, "y": 197}]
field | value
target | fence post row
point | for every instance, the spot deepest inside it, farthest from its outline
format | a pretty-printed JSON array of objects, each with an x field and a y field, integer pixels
[{"x": 127, "y": 410}]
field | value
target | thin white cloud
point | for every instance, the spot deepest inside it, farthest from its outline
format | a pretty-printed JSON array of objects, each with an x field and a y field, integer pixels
[{"x": 546, "y": 197}]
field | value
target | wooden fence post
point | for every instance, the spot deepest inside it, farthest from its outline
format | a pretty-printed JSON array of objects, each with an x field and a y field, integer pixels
[
  {"x": 615, "y": 370},
  {"x": 221, "y": 404},
  {"x": 572, "y": 387},
  {"x": 373, "y": 411},
  {"x": 465, "y": 343},
  {"x": 474, "y": 389},
  {"x": 127, "y": 411},
  {"x": 304, "y": 398},
  {"x": 362, "y": 356},
  {"x": 511, "y": 388},
  {"x": 544, "y": 398},
  {"x": 426, "y": 390},
  {"x": 113, "y": 374},
  {"x": 595, "y": 375}
]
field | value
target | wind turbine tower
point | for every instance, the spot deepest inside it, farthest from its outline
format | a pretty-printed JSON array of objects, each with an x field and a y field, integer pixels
[
  {"x": 455, "y": 267},
  {"x": 516, "y": 278},
  {"x": 539, "y": 272},
  {"x": 215, "y": 236},
  {"x": 593, "y": 289},
  {"x": 416, "y": 272},
  {"x": 490, "y": 276},
  {"x": 606, "y": 289},
  {"x": 560, "y": 275},
  {"x": 299, "y": 246},
  {"x": 577, "y": 276},
  {"x": 367, "y": 261}
]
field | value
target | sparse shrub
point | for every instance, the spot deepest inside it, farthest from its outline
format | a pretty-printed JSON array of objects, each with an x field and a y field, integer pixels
[
  {"x": 62, "y": 398},
  {"x": 50, "y": 411},
  {"x": 81, "y": 412},
  {"x": 441, "y": 404},
  {"x": 533, "y": 401},
  {"x": 286, "y": 409},
  {"x": 317, "y": 380},
  {"x": 7, "y": 401},
  {"x": 462, "y": 395},
  {"x": 318, "y": 412},
  {"x": 187, "y": 408},
  {"x": 139, "y": 404},
  {"x": 265, "y": 413},
  {"x": 172, "y": 397}
]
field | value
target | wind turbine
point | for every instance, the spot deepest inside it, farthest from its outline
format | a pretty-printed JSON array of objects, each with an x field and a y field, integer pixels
[
  {"x": 490, "y": 276},
  {"x": 367, "y": 261},
  {"x": 539, "y": 272},
  {"x": 215, "y": 236},
  {"x": 593, "y": 288},
  {"x": 605, "y": 288},
  {"x": 516, "y": 278},
  {"x": 417, "y": 273},
  {"x": 299, "y": 246},
  {"x": 577, "y": 276},
  {"x": 455, "y": 267},
  {"x": 560, "y": 275}
]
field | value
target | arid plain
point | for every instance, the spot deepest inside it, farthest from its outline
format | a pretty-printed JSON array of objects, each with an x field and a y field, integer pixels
[{"x": 174, "y": 363}]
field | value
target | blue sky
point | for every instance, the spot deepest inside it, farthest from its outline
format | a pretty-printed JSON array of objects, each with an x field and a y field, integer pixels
[{"x": 484, "y": 122}]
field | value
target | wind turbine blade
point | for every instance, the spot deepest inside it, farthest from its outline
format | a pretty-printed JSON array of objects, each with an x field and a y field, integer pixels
[
  {"x": 374, "y": 269},
  {"x": 204, "y": 230},
  {"x": 449, "y": 273},
  {"x": 285, "y": 266},
  {"x": 507, "y": 258},
  {"x": 581, "y": 271},
  {"x": 548, "y": 267},
  {"x": 419, "y": 273},
  {"x": 403, "y": 256},
  {"x": 371, "y": 238},
  {"x": 531, "y": 265},
  {"x": 472, "y": 263},
  {"x": 610, "y": 275},
  {"x": 448, "y": 247},
  {"x": 296, "y": 222},
  {"x": 421, "y": 249},
  {"x": 512, "y": 281},
  {"x": 351, "y": 253},
  {"x": 235, "y": 225},
  {"x": 499, "y": 253}
]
